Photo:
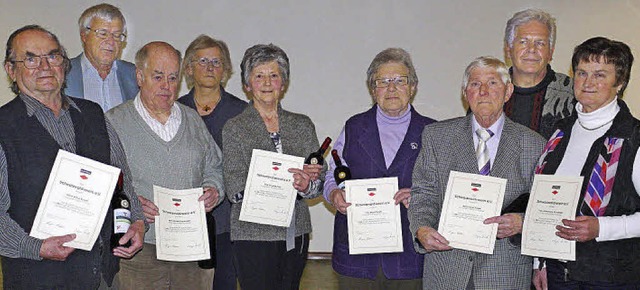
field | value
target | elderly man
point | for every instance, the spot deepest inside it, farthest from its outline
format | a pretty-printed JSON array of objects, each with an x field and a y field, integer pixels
[
  {"x": 97, "y": 74},
  {"x": 507, "y": 150},
  {"x": 167, "y": 145},
  {"x": 33, "y": 127},
  {"x": 541, "y": 96}
]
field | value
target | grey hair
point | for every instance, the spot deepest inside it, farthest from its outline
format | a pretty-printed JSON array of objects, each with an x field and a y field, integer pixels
[
  {"x": 143, "y": 53},
  {"x": 486, "y": 62},
  {"x": 204, "y": 42},
  {"x": 261, "y": 54},
  {"x": 104, "y": 11},
  {"x": 393, "y": 55},
  {"x": 9, "y": 56},
  {"x": 526, "y": 16}
]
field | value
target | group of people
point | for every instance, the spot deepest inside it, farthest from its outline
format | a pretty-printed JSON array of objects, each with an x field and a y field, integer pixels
[{"x": 126, "y": 115}]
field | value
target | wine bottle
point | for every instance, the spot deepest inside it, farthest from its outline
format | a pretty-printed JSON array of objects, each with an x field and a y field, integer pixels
[
  {"x": 211, "y": 229},
  {"x": 318, "y": 156},
  {"x": 341, "y": 173},
  {"x": 121, "y": 215}
]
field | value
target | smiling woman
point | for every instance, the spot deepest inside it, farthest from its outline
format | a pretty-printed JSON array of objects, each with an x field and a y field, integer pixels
[
  {"x": 600, "y": 143},
  {"x": 264, "y": 124}
]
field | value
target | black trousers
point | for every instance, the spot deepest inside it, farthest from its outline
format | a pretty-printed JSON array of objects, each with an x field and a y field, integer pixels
[
  {"x": 557, "y": 280},
  {"x": 267, "y": 264}
]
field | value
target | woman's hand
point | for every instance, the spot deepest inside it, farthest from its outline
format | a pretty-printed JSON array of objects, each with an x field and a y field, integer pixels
[{"x": 301, "y": 179}]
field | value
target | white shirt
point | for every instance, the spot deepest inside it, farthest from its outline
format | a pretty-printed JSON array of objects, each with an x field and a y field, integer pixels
[
  {"x": 165, "y": 131},
  {"x": 600, "y": 120},
  {"x": 494, "y": 141}
]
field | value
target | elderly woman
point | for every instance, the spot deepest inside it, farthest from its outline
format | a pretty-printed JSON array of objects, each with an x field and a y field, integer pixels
[
  {"x": 599, "y": 142},
  {"x": 269, "y": 257},
  {"x": 381, "y": 142},
  {"x": 207, "y": 68},
  {"x": 484, "y": 142}
]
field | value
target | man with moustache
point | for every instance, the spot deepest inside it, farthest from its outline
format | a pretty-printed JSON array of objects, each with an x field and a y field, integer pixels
[
  {"x": 97, "y": 74},
  {"x": 167, "y": 145},
  {"x": 38, "y": 122}
]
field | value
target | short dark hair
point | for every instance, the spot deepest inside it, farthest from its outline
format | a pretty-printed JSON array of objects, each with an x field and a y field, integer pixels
[
  {"x": 9, "y": 56},
  {"x": 609, "y": 51}
]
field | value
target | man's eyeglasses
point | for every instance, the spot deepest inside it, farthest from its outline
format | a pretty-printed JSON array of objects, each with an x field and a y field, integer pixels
[
  {"x": 103, "y": 33},
  {"x": 33, "y": 61},
  {"x": 397, "y": 81},
  {"x": 204, "y": 62}
]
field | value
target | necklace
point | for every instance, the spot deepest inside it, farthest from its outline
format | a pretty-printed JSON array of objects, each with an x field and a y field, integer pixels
[
  {"x": 206, "y": 108},
  {"x": 594, "y": 128}
]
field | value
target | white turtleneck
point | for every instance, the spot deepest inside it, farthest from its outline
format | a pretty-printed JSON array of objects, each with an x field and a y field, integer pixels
[{"x": 588, "y": 128}]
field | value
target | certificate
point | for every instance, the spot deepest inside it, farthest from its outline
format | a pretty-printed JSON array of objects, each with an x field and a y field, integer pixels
[
  {"x": 552, "y": 199},
  {"x": 181, "y": 227},
  {"x": 269, "y": 195},
  {"x": 468, "y": 201},
  {"x": 373, "y": 219},
  {"x": 75, "y": 200}
]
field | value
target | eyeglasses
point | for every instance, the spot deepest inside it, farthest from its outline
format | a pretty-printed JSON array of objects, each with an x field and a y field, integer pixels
[
  {"x": 33, "y": 61},
  {"x": 204, "y": 62},
  {"x": 397, "y": 81},
  {"x": 103, "y": 33}
]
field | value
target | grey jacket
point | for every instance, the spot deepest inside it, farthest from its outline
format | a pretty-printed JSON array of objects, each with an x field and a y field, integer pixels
[
  {"x": 446, "y": 146},
  {"x": 246, "y": 132}
]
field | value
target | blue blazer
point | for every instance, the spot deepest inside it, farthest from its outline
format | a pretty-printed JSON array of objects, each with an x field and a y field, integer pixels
[{"x": 126, "y": 79}]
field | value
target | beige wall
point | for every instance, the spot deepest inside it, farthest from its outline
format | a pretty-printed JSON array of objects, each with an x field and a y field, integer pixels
[{"x": 331, "y": 43}]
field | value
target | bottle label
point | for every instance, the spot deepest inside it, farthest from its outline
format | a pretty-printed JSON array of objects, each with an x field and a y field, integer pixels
[
  {"x": 121, "y": 220},
  {"x": 313, "y": 161},
  {"x": 342, "y": 175}
]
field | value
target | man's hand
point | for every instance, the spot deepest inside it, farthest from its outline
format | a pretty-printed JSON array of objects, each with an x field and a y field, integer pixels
[
  {"x": 403, "y": 196},
  {"x": 582, "y": 229},
  {"x": 509, "y": 224},
  {"x": 136, "y": 235},
  {"x": 431, "y": 240},
  {"x": 149, "y": 209},
  {"x": 539, "y": 279},
  {"x": 338, "y": 200},
  {"x": 210, "y": 196},
  {"x": 53, "y": 249}
]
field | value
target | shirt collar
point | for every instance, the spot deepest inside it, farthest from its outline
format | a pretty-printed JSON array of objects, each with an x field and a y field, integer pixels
[
  {"x": 88, "y": 67},
  {"x": 496, "y": 128},
  {"x": 34, "y": 105}
]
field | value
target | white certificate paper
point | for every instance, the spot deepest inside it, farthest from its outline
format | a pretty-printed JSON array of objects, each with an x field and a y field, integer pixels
[
  {"x": 269, "y": 195},
  {"x": 373, "y": 219},
  {"x": 75, "y": 200},
  {"x": 552, "y": 199},
  {"x": 181, "y": 227},
  {"x": 468, "y": 201}
]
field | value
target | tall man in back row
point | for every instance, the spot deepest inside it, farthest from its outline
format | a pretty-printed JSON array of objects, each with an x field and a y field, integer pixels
[
  {"x": 541, "y": 96},
  {"x": 33, "y": 127},
  {"x": 97, "y": 74}
]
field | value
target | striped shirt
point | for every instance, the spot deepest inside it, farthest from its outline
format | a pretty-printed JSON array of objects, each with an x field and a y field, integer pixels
[
  {"x": 165, "y": 131},
  {"x": 14, "y": 241},
  {"x": 107, "y": 92}
]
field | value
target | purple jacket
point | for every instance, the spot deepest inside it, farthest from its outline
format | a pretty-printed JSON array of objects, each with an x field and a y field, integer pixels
[{"x": 363, "y": 153}]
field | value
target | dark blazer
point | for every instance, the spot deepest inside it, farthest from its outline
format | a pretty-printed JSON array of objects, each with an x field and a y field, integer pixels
[
  {"x": 446, "y": 146},
  {"x": 126, "y": 79},
  {"x": 363, "y": 153}
]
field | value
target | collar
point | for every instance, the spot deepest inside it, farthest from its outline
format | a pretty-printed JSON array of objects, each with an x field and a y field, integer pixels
[
  {"x": 496, "y": 128},
  {"x": 33, "y": 105},
  {"x": 382, "y": 116},
  {"x": 599, "y": 117},
  {"x": 87, "y": 67},
  {"x": 549, "y": 77},
  {"x": 137, "y": 103}
]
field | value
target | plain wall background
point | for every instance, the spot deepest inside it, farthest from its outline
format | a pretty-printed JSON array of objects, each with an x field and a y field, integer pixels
[{"x": 331, "y": 43}]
